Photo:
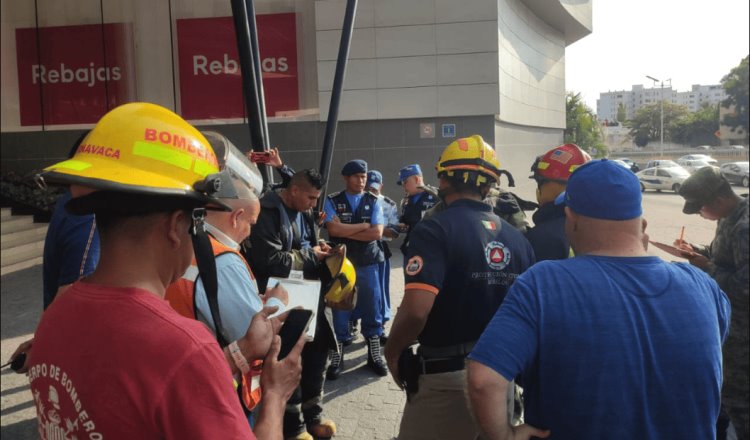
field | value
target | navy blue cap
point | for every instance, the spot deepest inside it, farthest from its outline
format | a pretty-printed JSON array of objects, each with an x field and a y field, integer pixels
[
  {"x": 355, "y": 166},
  {"x": 603, "y": 189},
  {"x": 374, "y": 179},
  {"x": 408, "y": 171}
]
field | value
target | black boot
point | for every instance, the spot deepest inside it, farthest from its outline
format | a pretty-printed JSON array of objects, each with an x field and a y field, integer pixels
[
  {"x": 337, "y": 363},
  {"x": 374, "y": 356}
]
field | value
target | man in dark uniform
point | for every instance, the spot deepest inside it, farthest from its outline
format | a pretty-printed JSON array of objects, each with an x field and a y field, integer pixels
[
  {"x": 418, "y": 199},
  {"x": 551, "y": 173},
  {"x": 355, "y": 218},
  {"x": 459, "y": 265},
  {"x": 285, "y": 239},
  {"x": 726, "y": 260}
]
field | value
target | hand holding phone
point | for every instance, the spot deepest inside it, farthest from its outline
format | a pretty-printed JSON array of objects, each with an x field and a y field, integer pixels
[
  {"x": 261, "y": 157},
  {"x": 294, "y": 325}
]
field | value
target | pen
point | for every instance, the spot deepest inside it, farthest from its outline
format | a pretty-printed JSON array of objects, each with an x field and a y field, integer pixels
[{"x": 682, "y": 233}]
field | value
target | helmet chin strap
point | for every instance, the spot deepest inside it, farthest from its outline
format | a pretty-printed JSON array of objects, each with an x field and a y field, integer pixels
[{"x": 204, "y": 256}]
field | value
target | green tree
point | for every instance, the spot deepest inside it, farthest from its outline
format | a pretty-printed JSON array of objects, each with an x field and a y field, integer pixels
[
  {"x": 581, "y": 126},
  {"x": 645, "y": 126},
  {"x": 736, "y": 85},
  {"x": 621, "y": 113},
  {"x": 698, "y": 128}
]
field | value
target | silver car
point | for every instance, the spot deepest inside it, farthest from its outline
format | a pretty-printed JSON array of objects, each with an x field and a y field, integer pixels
[{"x": 736, "y": 172}]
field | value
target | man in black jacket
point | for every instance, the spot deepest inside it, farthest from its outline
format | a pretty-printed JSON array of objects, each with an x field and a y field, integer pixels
[
  {"x": 285, "y": 239},
  {"x": 551, "y": 172}
]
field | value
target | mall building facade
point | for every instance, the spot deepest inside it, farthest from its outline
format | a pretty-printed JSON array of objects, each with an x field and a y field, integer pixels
[{"x": 420, "y": 74}]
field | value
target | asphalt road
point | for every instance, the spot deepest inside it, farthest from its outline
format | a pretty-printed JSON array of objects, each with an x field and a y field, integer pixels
[{"x": 363, "y": 405}]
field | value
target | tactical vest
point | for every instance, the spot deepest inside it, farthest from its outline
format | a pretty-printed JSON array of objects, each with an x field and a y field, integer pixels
[
  {"x": 412, "y": 213},
  {"x": 361, "y": 253},
  {"x": 181, "y": 296}
]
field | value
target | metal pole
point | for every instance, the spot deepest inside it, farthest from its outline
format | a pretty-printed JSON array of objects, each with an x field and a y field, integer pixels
[
  {"x": 338, "y": 85},
  {"x": 258, "y": 71},
  {"x": 249, "y": 82},
  {"x": 661, "y": 130}
]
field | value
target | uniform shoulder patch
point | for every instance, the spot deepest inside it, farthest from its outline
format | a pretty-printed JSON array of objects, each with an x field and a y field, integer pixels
[
  {"x": 332, "y": 195},
  {"x": 414, "y": 265}
]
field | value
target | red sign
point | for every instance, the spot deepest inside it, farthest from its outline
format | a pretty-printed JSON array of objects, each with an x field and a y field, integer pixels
[
  {"x": 74, "y": 74},
  {"x": 210, "y": 78}
]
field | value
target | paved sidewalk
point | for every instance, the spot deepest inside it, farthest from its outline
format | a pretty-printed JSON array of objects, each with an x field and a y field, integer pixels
[{"x": 364, "y": 406}]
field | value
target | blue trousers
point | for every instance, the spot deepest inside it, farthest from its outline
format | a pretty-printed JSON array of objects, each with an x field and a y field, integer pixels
[
  {"x": 385, "y": 283},
  {"x": 369, "y": 306}
]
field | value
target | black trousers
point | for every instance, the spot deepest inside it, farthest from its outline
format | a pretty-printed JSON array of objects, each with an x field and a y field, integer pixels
[{"x": 306, "y": 401}]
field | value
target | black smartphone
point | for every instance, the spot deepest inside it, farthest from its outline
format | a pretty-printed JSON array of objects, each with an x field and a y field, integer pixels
[
  {"x": 16, "y": 363},
  {"x": 294, "y": 325}
]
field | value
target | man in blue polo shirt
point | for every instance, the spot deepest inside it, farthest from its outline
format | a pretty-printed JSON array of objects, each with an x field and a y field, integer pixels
[
  {"x": 354, "y": 218},
  {"x": 612, "y": 343}
]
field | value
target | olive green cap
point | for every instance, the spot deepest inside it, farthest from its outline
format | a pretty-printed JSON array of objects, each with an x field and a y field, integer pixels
[{"x": 701, "y": 188}]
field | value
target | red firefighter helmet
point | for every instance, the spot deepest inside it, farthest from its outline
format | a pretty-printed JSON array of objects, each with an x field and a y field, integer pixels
[{"x": 559, "y": 163}]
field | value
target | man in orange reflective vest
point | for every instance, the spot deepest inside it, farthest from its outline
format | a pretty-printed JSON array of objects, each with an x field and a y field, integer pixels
[{"x": 238, "y": 294}]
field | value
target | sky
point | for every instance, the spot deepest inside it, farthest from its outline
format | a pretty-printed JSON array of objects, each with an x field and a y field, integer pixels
[{"x": 689, "y": 42}]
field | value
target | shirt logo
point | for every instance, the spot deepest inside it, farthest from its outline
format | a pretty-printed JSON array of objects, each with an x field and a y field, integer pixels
[
  {"x": 498, "y": 256},
  {"x": 414, "y": 266}
]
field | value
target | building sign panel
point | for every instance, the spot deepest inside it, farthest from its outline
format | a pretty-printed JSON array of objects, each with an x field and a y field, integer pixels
[
  {"x": 73, "y": 74},
  {"x": 210, "y": 78}
]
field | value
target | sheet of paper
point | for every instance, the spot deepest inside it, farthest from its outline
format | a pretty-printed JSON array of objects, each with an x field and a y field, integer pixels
[
  {"x": 302, "y": 293},
  {"x": 671, "y": 250}
]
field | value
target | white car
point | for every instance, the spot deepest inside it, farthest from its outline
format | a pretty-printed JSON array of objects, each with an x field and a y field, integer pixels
[
  {"x": 662, "y": 163},
  {"x": 693, "y": 165},
  {"x": 704, "y": 157},
  {"x": 737, "y": 147},
  {"x": 670, "y": 178}
]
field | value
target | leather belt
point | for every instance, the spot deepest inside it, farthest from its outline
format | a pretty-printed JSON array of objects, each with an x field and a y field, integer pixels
[
  {"x": 435, "y": 366},
  {"x": 455, "y": 350}
]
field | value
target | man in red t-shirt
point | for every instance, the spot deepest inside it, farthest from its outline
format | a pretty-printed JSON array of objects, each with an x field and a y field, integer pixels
[{"x": 110, "y": 357}]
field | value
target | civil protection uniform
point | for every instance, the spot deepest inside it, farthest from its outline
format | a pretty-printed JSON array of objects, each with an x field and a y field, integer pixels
[{"x": 468, "y": 257}]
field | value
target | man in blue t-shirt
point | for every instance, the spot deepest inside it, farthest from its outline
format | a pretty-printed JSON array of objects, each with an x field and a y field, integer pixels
[
  {"x": 354, "y": 218},
  {"x": 610, "y": 344}
]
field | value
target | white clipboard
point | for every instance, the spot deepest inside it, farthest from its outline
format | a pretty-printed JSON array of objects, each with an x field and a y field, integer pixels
[{"x": 302, "y": 293}]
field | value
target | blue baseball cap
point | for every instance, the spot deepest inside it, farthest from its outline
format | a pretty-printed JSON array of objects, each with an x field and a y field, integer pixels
[
  {"x": 408, "y": 171},
  {"x": 604, "y": 190},
  {"x": 374, "y": 179},
  {"x": 355, "y": 166}
]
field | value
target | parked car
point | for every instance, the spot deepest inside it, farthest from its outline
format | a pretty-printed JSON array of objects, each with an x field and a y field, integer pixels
[
  {"x": 622, "y": 163},
  {"x": 692, "y": 165},
  {"x": 703, "y": 147},
  {"x": 736, "y": 172},
  {"x": 704, "y": 157},
  {"x": 737, "y": 147},
  {"x": 669, "y": 178},
  {"x": 661, "y": 163},
  {"x": 631, "y": 163}
]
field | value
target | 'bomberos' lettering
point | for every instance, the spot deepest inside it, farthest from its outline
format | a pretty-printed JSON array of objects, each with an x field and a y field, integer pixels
[
  {"x": 99, "y": 150},
  {"x": 180, "y": 142}
]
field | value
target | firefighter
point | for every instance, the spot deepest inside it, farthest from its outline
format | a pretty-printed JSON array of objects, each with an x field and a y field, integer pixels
[
  {"x": 459, "y": 265},
  {"x": 551, "y": 172}
]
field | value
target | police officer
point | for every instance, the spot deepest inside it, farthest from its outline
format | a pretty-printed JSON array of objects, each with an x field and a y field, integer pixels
[
  {"x": 709, "y": 194},
  {"x": 390, "y": 213},
  {"x": 418, "y": 199},
  {"x": 355, "y": 218},
  {"x": 551, "y": 172},
  {"x": 459, "y": 266}
]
